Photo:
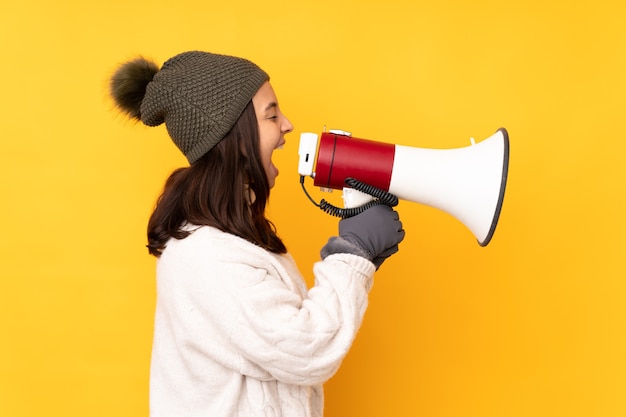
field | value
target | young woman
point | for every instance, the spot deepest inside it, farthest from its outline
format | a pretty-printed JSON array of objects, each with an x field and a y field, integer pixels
[{"x": 237, "y": 333}]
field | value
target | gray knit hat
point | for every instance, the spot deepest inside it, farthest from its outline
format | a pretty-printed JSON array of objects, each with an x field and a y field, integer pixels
[{"x": 198, "y": 95}]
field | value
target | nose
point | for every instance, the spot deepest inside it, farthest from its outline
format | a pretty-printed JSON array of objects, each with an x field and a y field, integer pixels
[{"x": 287, "y": 126}]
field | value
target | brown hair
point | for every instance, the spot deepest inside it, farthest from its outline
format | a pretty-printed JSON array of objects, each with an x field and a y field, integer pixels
[{"x": 226, "y": 188}]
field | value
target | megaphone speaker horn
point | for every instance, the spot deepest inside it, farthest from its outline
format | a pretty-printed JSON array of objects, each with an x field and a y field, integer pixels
[{"x": 468, "y": 183}]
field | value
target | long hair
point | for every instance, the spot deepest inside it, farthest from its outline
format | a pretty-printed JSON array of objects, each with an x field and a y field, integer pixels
[{"x": 226, "y": 188}]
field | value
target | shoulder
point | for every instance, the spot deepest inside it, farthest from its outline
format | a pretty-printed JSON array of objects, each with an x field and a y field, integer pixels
[
  {"x": 209, "y": 242},
  {"x": 210, "y": 248}
]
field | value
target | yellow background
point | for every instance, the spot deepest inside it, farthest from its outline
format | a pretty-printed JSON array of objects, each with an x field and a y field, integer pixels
[{"x": 532, "y": 325}]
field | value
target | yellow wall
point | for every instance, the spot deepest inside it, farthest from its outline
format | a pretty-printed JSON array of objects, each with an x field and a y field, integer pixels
[{"x": 532, "y": 325}]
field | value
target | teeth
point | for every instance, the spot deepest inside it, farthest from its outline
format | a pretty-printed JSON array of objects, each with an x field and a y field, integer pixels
[{"x": 280, "y": 147}]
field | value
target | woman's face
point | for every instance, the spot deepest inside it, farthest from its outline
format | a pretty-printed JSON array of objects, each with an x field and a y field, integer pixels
[{"x": 273, "y": 125}]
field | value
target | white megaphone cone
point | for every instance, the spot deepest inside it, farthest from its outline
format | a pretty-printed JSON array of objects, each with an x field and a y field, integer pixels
[{"x": 468, "y": 183}]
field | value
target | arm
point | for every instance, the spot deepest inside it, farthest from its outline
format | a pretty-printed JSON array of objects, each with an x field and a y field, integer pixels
[{"x": 302, "y": 340}]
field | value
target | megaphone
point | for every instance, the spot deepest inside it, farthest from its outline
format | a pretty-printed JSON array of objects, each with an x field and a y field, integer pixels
[{"x": 467, "y": 183}]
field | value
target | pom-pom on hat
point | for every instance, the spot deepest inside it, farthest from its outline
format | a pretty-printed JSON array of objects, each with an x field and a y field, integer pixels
[{"x": 198, "y": 95}]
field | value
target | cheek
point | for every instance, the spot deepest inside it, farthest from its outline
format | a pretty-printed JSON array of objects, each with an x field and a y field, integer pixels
[
  {"x": 267, "y": 160},
  {"x": 267, "y": 147}
]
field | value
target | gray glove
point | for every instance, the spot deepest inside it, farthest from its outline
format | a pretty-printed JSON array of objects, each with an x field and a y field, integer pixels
[{"x": 373, "y": 234}]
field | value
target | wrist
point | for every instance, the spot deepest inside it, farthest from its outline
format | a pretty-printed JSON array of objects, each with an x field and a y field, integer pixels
[{"x": 338, "y": 244}]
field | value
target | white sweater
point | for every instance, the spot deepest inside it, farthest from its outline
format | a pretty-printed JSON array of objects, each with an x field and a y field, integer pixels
[{"x": 237, "y": 333}]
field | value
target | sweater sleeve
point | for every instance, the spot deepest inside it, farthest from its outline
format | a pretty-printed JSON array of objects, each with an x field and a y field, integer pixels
[
  {"x": 249, "y": 310},
  {"x": 302, "y": 340}
]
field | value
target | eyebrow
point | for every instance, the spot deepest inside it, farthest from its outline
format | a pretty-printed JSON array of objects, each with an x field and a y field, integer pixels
[{"x": 272, "y": 105}]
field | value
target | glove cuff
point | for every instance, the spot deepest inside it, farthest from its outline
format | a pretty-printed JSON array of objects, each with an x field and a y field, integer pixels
[{"x": 338, "y": 244}]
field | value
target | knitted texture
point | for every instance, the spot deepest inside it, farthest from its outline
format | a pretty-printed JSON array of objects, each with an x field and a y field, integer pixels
[{"x": 199, "y": 96}]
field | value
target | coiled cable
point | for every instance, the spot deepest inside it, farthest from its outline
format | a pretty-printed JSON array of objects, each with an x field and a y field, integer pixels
[{"x": 380, "y": 197}]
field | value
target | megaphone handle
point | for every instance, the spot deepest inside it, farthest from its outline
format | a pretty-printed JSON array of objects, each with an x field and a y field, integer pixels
[
  {"x": 354, "y": 198},
  {"x": 344, "y": 213},
  {"x": 380, "y": 197}
]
